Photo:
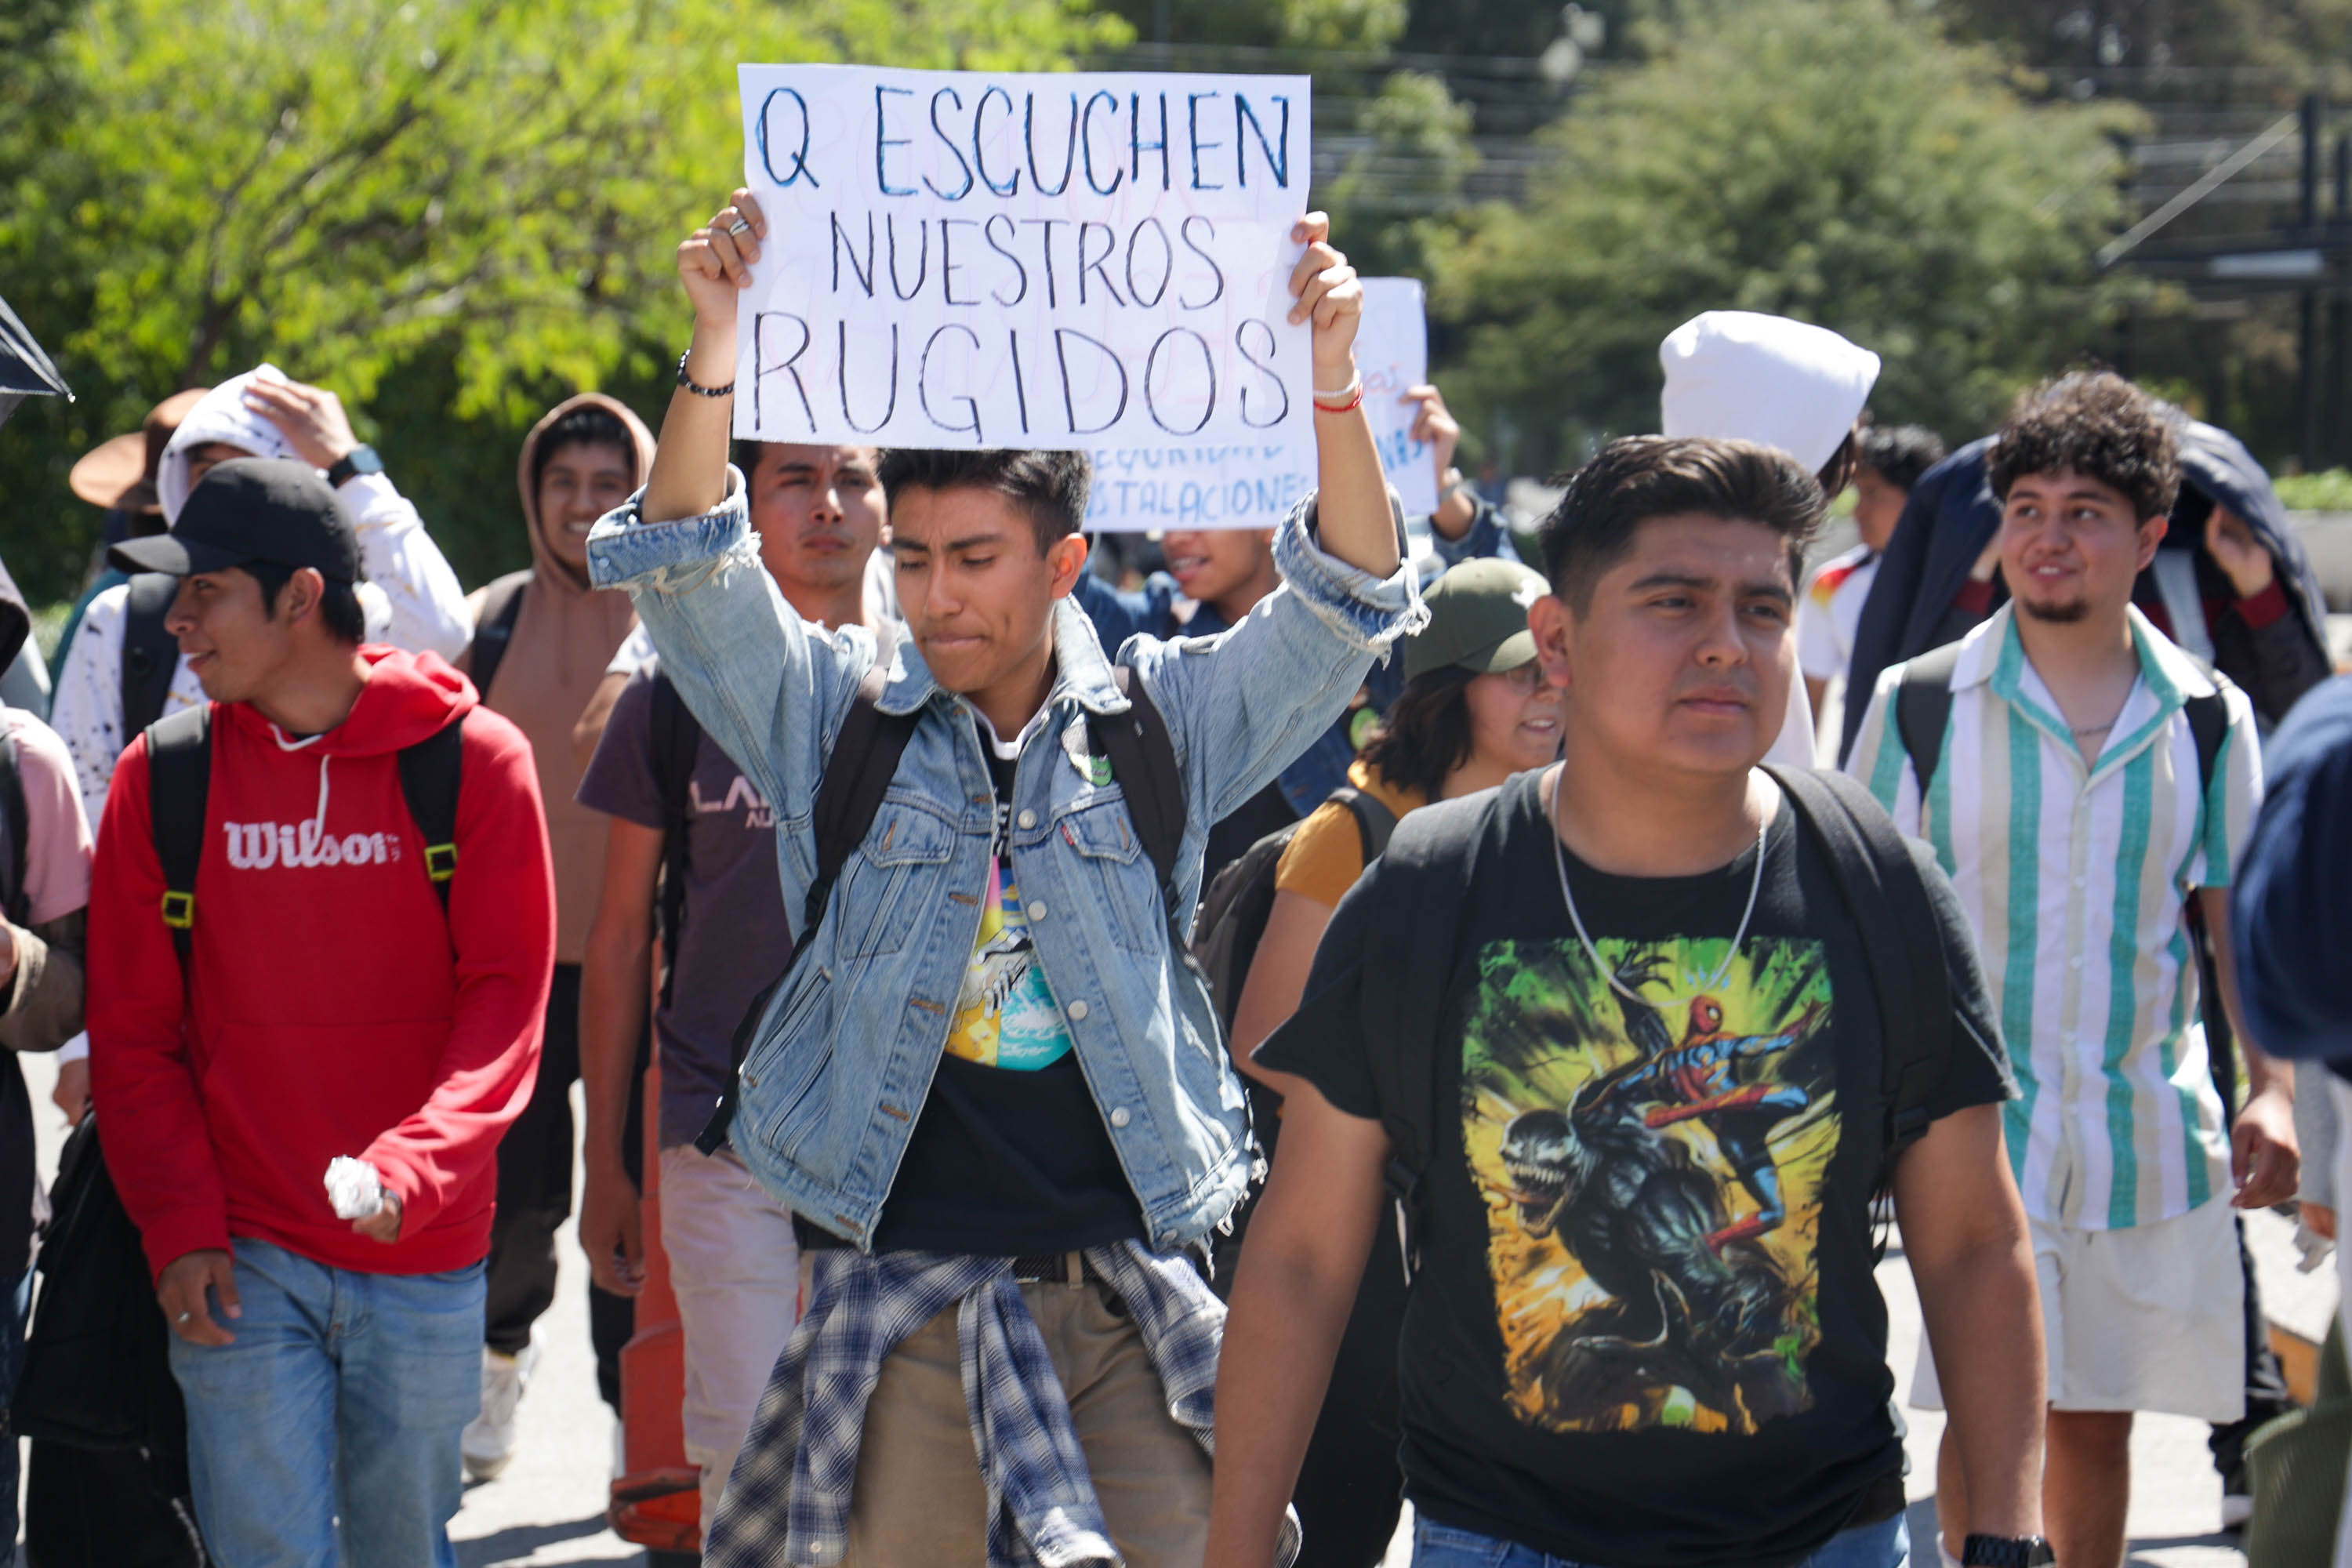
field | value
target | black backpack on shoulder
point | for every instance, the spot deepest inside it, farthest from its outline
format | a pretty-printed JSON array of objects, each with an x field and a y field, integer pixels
[
  {"x": 494, "y": 626},
  {"x": 1230, "y": 920},
  {"x": 151, "y": 655},
  {"x": 858, "y": 768},
  {"x": 179, "y": 781},
  {"x": 1923, "y": 706},
  {"x": 1435, "y": 859},
  {"x": 677, "y": 741}
]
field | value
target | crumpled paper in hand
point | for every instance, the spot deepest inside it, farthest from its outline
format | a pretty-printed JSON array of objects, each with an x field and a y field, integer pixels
[{"x": 355, "y": 1187}]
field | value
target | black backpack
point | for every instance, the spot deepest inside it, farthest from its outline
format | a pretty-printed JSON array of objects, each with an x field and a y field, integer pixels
[
  {"x": 858, "y": 768},
  {"x": 1923, "y": 704},
  {"x": 494, "y": 627},
  {"x": 179, "y": 783},
  {"x": 1435, "y": 859},
  {"x": 1232, "y": 917},
  {"x": 151, "y": 655},
  {"x": 676, "y": 740}
]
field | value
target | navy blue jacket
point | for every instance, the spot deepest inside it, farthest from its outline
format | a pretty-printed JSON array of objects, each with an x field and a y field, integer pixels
[{"x": 2288, "y": 913}]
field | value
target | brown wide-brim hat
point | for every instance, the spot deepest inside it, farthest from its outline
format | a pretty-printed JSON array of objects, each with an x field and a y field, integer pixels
[{"x": 122, "y": 473}]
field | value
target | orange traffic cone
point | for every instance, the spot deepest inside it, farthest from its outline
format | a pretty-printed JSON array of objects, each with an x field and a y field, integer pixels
[{"x": 656, "y": 1500}]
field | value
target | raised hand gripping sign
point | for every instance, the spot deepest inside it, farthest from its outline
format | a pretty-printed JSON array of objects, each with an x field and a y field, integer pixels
[
  {"x": 1253, "y": 484},
  {"x": 961, "y": 259}
]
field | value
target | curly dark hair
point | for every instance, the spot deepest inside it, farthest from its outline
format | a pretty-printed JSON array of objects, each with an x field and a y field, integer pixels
[
  {"x": 1899, "y": 454},
  {"x": 1637, "y": 477},
  {"x": 1426, "y": 733},
  {"x": 1051, "y": 487},
  {"x": 2100, "y": 426}
]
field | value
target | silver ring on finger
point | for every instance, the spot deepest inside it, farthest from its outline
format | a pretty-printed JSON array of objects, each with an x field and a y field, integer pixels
[
  {"x": 184, "y": 1318},
  {"x": 740, "y": 226}
]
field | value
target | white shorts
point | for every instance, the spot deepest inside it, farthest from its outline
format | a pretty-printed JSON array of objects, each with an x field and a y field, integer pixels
[{"x": 2149, "y": 1318}]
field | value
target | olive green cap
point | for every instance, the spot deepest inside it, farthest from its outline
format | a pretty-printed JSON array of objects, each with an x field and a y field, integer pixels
[{"x": 1478, "y": 619}]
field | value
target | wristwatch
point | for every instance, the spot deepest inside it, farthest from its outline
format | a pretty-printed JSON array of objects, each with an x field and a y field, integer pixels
[
  {"x": 352, "y": 464},
  {"x": 2006, "y": 1551}
]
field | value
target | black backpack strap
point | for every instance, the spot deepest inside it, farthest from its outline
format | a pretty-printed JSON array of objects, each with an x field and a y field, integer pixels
[
  {"x": 1374, "y": 821},
  {"x": 857, "y": 774},
  {"x": 430, "y": 773},
  {"x": 179, "y": 783},
  {"x": 1923, "y": 705},
  {"x": 859, "y": 766},
  {"x": 151, "y": 655},
  {"x": 12, "y": 900},
  {"x": 2208, "y": 722},
  {"x": 676, "y": 740},
  {"x": 1143, "y": 760},
  {"x": 494, "y": 628},
  {"x": 1902, "y": 939},
  {"x": 1427, "y": 869}
]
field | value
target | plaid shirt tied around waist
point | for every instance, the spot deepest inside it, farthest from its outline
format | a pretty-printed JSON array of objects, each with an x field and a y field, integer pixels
[{"x": 787, "y": 1502}]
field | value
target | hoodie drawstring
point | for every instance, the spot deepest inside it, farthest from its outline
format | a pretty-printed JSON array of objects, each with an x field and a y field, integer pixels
[{"x": 258, "y": 846}]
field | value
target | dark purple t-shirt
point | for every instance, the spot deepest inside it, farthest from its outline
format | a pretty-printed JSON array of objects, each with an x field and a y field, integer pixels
[{"x": 733, "y": 938}]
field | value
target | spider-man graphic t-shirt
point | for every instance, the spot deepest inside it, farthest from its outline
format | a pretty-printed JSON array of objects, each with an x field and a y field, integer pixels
[
  {"x": 1645, "y": 1331},
  {"x": 1010, "y": 1156}
]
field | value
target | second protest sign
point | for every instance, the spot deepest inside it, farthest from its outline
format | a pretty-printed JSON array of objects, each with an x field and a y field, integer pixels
[{"x": 972, "y": 260}]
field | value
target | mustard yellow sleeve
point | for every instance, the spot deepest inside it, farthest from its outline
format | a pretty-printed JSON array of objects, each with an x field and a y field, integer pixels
[{"x": 1324, "y": 857}]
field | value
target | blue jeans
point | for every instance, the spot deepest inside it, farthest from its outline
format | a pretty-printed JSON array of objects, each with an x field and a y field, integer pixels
[
  {"x": 1886, "y": 1545},
  {"x": 341, "y": 1402}
]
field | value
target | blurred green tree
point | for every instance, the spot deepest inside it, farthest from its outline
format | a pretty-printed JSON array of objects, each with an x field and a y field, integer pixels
[
  {"x": 462, "y": 201},
  {"x": 1836, "y": 161}
]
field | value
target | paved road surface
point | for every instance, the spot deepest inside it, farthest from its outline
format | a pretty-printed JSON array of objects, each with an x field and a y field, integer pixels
[{"x": 548, "y": 1508}]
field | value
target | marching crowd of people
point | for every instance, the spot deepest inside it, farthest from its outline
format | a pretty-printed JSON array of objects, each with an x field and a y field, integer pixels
[{"x": 1169, "y": 1072}]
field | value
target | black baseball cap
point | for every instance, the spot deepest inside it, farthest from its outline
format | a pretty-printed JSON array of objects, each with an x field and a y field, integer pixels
[{"x": 248, "y": 510}]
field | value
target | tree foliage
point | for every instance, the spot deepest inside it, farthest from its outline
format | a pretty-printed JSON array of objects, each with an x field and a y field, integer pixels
[
  {"x": 478, "y": 198},
  {"x": 1832, "y": 160},
  {"x": 2157, "y": 33},
  {"x": 1382, "y": 206}
]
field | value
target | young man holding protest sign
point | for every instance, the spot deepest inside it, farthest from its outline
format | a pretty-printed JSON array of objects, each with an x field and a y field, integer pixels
[{"x": 1006, "y": 1116}]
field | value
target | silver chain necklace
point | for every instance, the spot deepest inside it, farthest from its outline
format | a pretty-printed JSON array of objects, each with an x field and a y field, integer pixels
[{"x": 1559, "y": 861}]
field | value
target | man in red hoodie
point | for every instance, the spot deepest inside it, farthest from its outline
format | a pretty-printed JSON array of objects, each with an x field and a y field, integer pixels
[{"x": 331, "y": 992}]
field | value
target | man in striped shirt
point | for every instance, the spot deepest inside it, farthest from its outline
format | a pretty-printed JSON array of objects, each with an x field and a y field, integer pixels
[{"x": 2085, "y": 779}]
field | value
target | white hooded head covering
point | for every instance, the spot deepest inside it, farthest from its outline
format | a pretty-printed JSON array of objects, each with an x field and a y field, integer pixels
[
  {"x": 1738, "y": 375},
  {"x": 222, "y": 416}
]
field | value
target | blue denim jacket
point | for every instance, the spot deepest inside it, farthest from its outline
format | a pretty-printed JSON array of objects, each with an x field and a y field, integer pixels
[
  {"x": 1310, "y": 777},
  {"x": 843, "y": 1060}
]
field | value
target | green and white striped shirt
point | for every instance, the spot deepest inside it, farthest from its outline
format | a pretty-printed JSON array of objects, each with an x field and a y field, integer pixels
[{"x": 2075, "y": 881}]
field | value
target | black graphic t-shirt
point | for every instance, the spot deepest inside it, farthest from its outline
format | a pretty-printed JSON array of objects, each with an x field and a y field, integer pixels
[
  {"x": 1645, "y": 1332},
  {"x": 1010, "y": 1156}
]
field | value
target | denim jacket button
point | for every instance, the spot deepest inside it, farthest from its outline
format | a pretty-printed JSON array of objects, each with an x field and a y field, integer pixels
[
  {"x": 1027, "y": 819},
  {"x": 1118, "y": 1116},
  {"x": 1078, "y": 1012},
  {"x": 1037, "y": 912}
]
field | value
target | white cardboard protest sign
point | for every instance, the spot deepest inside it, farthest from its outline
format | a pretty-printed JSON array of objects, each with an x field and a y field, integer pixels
[
  {"x": 961, "y": 259},
  {"x": 1254, "y": 484},
  {"x": 1393, "y": 356}
]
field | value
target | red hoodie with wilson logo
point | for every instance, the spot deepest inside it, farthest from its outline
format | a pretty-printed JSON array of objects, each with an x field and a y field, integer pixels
[{"x": 330, "y": 1007}]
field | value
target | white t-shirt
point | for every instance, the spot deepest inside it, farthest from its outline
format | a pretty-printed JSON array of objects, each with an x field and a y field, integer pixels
[{"x": 1827, "y": 615}]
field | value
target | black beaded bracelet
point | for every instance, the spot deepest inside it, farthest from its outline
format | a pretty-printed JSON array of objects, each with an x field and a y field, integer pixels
[{"x": 688, "y": 382}]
